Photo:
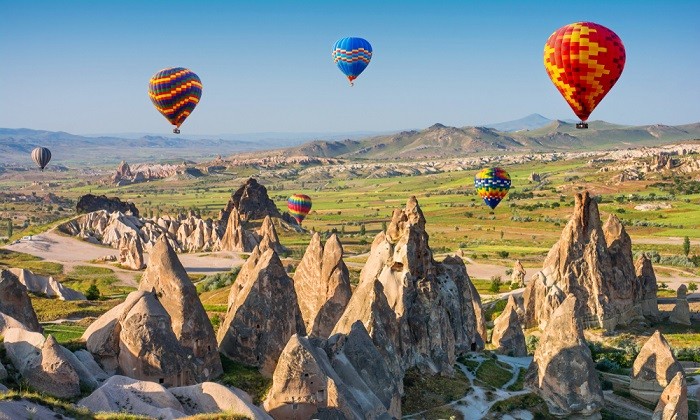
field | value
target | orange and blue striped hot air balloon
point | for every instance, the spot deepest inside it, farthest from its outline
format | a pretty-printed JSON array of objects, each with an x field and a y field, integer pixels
[
  {"x": 584, "y": 61},
  {"x": 492, "y": 184},
  {"x": 175, "y": 92},
  {"x": 352, "y": 55},
  {"x": 299, "y": 206}
]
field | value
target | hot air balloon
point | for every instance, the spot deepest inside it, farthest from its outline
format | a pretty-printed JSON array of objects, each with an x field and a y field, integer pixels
[
  {"x": 175, "y": 92},
  {"x": 299, "y": 206},
  {"x": 584, "y": 60},
  {"x": 42, "y": 156},
  {"x": 492, "y": 184},
  {"x": 352, "y": 55}
]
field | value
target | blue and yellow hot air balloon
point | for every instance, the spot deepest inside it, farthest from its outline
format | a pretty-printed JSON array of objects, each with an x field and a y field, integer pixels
[
  {"x": 175, "y": 92},
  {"x": 352, "y": 55},
  {"x": 299, "y": 206},
  {"x": 492, "y": 184}
]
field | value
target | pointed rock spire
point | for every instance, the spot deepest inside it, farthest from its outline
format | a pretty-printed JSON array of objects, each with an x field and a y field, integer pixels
[{"x": 653, "y": 369}]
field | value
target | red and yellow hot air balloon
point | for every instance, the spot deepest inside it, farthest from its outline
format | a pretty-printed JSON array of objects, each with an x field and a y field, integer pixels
[
  {"x": 584, "y": 61},
  {"x": 299, "y": 206},
  {"x": 175, "y": 92}
]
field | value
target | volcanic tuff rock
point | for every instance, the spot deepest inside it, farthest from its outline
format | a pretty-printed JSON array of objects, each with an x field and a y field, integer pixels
[
  {"x": 593, "y": 263},
  {"x": 3, "y": 372},
  {"x": 20, "y": 409},
  {"x": 211, "y": 397},
  {"x": 322, "y": 284},
  {"x": 7, "y": 322},
  {"x": 131, "y": 252},
  {"x": 251, "y": 201},
  {"x": 653, "y": 369},
  {"x": 167, "y": 277},
  {"x": 508, "y": 336},
  {"x": 15, "y": 302},
  {"x": 45, "y": 285},
  {"x": 269, "y": 238},
  {"x": 89, "y": 203},
  {"x": 429, "y": 312},
  {"x": 681, "y": 312},
  {"x": 647, "y": 283},
  {"x": 562, "y": 371},
  {"x": 673, "y": 404},
  {"x": 518, "y": 276},
  {"x": 263, "y": 313},
  {"x": 235, "y": 237},
  {"x": 305, "y": 385}
]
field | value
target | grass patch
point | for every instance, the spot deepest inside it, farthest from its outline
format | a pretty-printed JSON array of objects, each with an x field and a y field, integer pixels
[
  {"x": 493, "y": 310},
  {"x": 470, "y": 364},
  {"x": 64, "y": 333},
  {"x": 482, "y": 286},
  {"x": 54, "y": 404},
  {"x": 215, "y": 308},
  {"x": 12, "y": 259},
  {"x": 104, "y": 278},
  {"x": 52, "y": 309},
  {"x": 423, "y": 392},
  {"x": 518, "y": 385},
  {"x": 247, "y": 378},
  {"x": 529, "y": 402},
  {"x": 492, "y": 374}
]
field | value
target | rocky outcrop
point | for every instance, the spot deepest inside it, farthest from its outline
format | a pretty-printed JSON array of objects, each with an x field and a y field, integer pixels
[
  {"x": 251, "y": 201},
  {"x": 648, "y": 286},
  {"x": 23, "y": 409},
  {"x": 125, "y": 395},
  {"x": 123, "y": 173},
  {"x": 508, "y": 336},
  {"x": 15, "y": 302},
  {"x": 322, "y": 284},
  {"x": 268, "y": 237},
  {"x": 7, "y": 322},
  {"x": 681, "y": 312},
  {"x": 653, "y": 369},
  {"x": 673, "y": 404},
  {"x": 3, "y": 372},
  {"x": 306, "y": 385},
  {"x": 593, "y": 263},
  {"x": 45, "y": 365},
  {"x": 562, "y": 371},
  {"x": 518, "y": 276},
  {"x": 428, "y": 312},
  {"x": 45, "y": 285},
  {"x": 131, "y": 252},
  {"x": 168, "y": 279},
  {"x": 263, "y": 313},
  {"x": 90, "y": 203},
  {"x": 235, "y": 237}
]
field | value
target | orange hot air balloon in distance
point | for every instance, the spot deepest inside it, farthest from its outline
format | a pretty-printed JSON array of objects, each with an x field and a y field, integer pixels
[{"x": 584, "y": 61}]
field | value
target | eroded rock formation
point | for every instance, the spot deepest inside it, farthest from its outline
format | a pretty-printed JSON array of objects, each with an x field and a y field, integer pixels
[
  {"x": 593, "y": 263},
  {"x": 90, "y": 203},
  {"x": 263, "y": 313},
  {"x": 45, "y": 285},
  {"x": 251, "y": 201},
  {"x": 562, "y": 371},
  {"x": 507, "y": 335},
  {"x": 518, "y": 276},
  {"x": 131, "y": 252},
  {"x": 647, "y": 283},
  {"x": 673, "y": 404},
  {"x": 15, "y": 302},
  {"x": 322, "y": 284},
  {"x": 681, "y": 312},
  {"x": 268, "y": 237},
  {"x": 235, "y": 237},
  {"x": 653, "y": 369}
]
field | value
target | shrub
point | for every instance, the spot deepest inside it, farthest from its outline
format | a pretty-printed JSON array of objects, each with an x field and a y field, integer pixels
[
  {"x": 503, "y": 254},
  {"x": 531, "y": 342},
  {"x": 92, "y": 293},
  {"x": 495, "y": 285}
]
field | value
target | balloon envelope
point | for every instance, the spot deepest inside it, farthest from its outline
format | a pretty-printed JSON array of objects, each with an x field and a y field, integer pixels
[
  {"x": 492, "y": 185},
  {"x": 584, "y": 61},
  {"x": 352, "y": 55},
  {"x": 42, "y": 156},
  {"x": 175, "y": 92},
  {"x": 299, "y": 206}
]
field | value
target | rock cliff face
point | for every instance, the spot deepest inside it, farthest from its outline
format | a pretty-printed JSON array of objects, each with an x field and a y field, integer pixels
[
  {"x": 681, "y": 312},
  {"x": 508, "y": 336},
  {"x": 593, "y": 263},
  {"x": 322, "y": 284},
  {"x": 235, "y": 237},
  {"x": 263, "y": 313},
  {"x": 90, "y": 203},
  {"x": 131, "y": 252},
  {"x": 190, "y": 323},
  {"x": 653, "y": 369},
  {"x": 346, "y": 380},
  {"x": 562, "y": 371},
  {"x": 15, "y": 302},
  {"x": 251, "y": 201},
  {"x": 45, "y": 285},
  {"x": 268, "y": 237},
  {"x": 647, "y": 283},
  {"x": 421, "y": 311},
  {"x": 673, "y": 404}
]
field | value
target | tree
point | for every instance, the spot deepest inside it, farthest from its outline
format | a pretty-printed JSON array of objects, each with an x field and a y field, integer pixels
[
  {"x": 9, "y": 228},
  {"x": 92, "y": 293},
  {"x": 692, "y": 286},
  {"x": 686, "y": 246},
  {"x": 495, "y": 285},
  {"x": 363, "y": 230}
]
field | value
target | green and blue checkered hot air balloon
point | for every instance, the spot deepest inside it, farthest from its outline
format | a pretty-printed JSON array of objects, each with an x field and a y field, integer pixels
[
  {"x": 492, "y": 184},
  {"x": 352, "y": 55}
]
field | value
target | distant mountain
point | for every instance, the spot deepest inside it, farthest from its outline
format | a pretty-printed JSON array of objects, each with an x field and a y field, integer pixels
[
  {"x": 440, "y": 141},
  {"x": 531, "y": 122}
]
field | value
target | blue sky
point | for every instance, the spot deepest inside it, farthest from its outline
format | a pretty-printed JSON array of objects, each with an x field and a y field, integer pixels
[{"x": 84, "y": 66}]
